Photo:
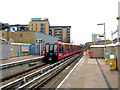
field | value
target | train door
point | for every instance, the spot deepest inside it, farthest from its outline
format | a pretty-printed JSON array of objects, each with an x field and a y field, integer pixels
[{"x": 51, "y": 51}]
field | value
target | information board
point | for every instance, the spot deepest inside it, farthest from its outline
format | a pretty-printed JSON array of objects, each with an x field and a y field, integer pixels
[{"x": 25, "y": 48}]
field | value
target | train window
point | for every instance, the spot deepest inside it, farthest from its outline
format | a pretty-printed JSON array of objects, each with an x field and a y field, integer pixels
[
  {"x": 65, "y": 47},
  {"x": 55, "y": 47},
  {"x": 51, "y": 47},
  {"x": 72, "y": 47},
  {"x": 60, "y": 50},
  {"x": 47, "y": 48},
  {"x": 69, "y": 49},
  {"x": 63, "y": 50}
]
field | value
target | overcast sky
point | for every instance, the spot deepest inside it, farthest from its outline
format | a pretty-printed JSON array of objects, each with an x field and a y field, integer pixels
[{"x": 82, "y": 15}]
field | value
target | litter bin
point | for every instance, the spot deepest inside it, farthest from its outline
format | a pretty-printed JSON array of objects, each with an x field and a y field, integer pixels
[
  {"x": 19, "y": 54},
  {"x": 107, "y": 58},
  {"x": 113, "y": 63}
]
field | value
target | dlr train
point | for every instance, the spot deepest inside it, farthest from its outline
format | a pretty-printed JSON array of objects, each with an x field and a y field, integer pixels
[{"x": 54, "y": 52}]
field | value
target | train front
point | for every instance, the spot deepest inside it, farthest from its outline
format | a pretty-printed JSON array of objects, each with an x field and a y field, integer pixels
[{"x": 51, "y": 52}]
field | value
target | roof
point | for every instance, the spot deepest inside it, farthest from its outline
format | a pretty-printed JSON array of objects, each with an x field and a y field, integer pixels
[
  {"x": 39, "y": 19},
  {"x": 102, "y": 41},
  {"x": 116, "y": 39},
  {"x": 110, "y": 45},
  {"x": 97, "y": 46},
  {"x": 3, "y": 39},
  {"x": 20, "y": 44},
  {"x": 60, "y": 26},
  {"x": 18, "y": 25}
]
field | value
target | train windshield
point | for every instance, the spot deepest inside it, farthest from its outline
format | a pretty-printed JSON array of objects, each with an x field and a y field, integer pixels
[
  {"x": 55, "y": 47},
  {"x": 51, "y": 47},
  {"x": 47, "y": 48}
]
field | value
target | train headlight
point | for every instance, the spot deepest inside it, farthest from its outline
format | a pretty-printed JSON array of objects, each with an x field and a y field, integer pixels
[{"x": 50, "y": 59}]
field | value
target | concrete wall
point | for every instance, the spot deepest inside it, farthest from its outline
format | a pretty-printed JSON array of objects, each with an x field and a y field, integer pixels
[
  {"x": 110, "y": 50},
  {"x": 14, "y": 50},
  {"x": 117, "y": 53},
  {"x": 23, "y": 37},
  {"x": 4, "y": 51},
  {"x": 5, "y": 35},
  {"x": 98, "y": 52}
]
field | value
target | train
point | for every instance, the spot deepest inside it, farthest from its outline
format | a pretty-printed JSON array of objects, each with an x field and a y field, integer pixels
[{"x": 54, "y": 52}]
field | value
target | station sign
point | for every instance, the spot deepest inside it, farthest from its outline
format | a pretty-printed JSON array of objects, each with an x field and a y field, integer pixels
[{"x": 38, "y": 40}]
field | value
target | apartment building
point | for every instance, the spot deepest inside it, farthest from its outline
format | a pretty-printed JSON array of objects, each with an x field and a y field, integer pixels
[
  {"x": 39, "y": 25},
  {"x": 61, "y": 32}
]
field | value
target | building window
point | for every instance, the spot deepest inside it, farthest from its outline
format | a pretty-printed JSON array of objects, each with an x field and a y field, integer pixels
[
  {"x": 2, "y": 34},
  {"x": 20, "y": 35},
  {"x": 36, "y": 24},
  {"x": 36, "y": 29},
  {"x": 32, "y": 24},
  {"x": 42, "y": 24},
  {"x": 42, "y": 28}
]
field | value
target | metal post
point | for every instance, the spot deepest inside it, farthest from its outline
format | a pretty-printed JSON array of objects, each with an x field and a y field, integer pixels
[
  {"x": 104, "y": 34},
  {"x": 105, "y": 37},
  {"x": 118, "y": 34},
  {"x": 112, "y": 36},
  {"x": 39, "y": 48}
]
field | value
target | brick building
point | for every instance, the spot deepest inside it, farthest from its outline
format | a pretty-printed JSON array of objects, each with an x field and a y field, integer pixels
[{"x": 61, "y": 32}]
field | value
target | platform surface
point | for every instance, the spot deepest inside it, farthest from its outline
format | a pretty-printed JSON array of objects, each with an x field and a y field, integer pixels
[
  {"x": 18, "y": 59},
  {"x": 87, "y": 74}
]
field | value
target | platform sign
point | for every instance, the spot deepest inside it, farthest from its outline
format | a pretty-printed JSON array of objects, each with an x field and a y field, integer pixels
[{"x": 38, "y": 40}]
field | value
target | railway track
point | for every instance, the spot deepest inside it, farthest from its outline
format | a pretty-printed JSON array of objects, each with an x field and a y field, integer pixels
[
  {"x": 4, "y": 79},
  {"x": 57, "y": 76},
  {"x": 39, "y": 76}
]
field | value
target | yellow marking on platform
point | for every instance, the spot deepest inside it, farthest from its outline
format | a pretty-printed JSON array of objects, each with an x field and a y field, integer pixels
[{"x": 67, "y": 67}]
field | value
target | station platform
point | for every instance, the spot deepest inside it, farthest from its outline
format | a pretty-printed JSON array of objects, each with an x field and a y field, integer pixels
[
  {"x": 11, "y": 60},
  {"x": 87, "y": 73}
]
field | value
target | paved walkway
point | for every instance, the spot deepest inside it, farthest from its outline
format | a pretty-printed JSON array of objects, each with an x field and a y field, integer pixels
[
  {"x": 18, "y": 59},
  {"x": 87, "y": 74}
]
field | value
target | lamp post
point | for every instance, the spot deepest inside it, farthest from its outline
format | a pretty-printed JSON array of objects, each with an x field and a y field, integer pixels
[{"x": 104, "y": 34}]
